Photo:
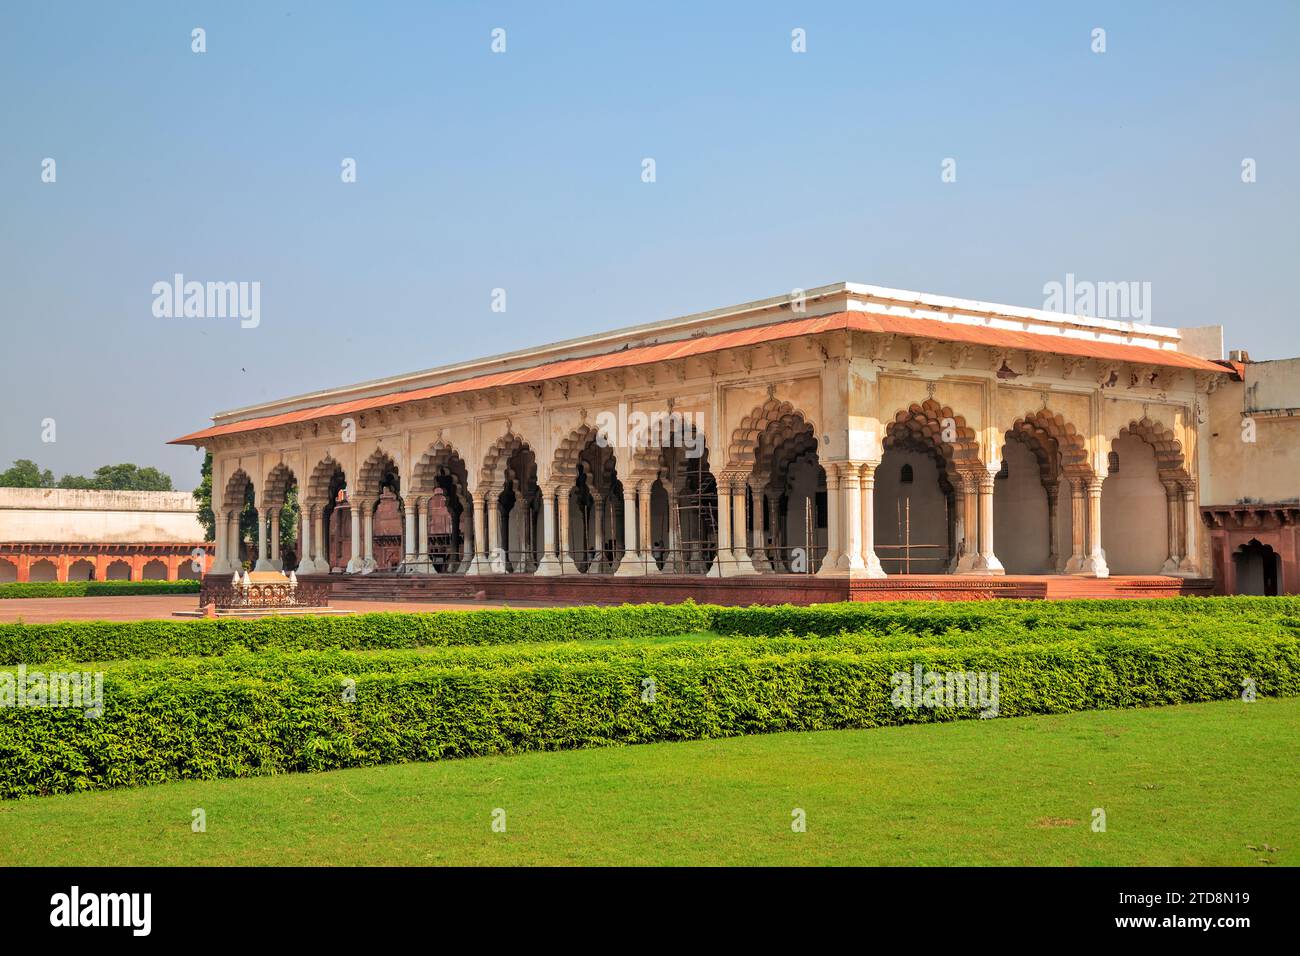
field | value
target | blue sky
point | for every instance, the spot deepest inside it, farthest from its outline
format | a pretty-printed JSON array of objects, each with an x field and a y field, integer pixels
[{"x": 522, "y": 171}]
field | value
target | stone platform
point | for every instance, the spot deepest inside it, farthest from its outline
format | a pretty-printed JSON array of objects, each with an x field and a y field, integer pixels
[{"x": 756, "y": 589}]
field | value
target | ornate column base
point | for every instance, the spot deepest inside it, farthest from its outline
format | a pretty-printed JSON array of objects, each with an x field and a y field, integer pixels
[
  {"x": 1094, "y": 565},
  {"x": 265, "y": 564},
  {"x": 631, "y": 565},
  {"x": 871, "y": 569},
  {"x": 987, "y": 564},
  {"x": 741, "y": 564},
  {"x": 831, "y": 568},
  {"x": 549, "y": 567}
]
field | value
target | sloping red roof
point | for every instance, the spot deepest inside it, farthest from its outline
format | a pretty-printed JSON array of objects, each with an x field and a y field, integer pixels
[{"x": 787, "y": 329}]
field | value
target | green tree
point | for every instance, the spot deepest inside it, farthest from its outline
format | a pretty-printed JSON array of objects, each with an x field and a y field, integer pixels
[
  {"x": 26, "y": 474},
  {"x": 129, "y": 477},
  {"x": 203, "y": 495}
]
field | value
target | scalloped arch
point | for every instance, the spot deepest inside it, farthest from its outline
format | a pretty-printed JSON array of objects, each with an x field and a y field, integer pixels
[
  {"x": 276, "y": 487},
  {"x": 1170, "y": 461},
  {"x": 235, "y": 492},
  {"x": 372, "y": 471},
  {"x": 322, "y": 476},
  {"x": 743, "y": 452},
  {"x": 492, "y": 473}
]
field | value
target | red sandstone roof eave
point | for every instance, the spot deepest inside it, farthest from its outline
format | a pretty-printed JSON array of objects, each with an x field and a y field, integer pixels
[{"x": 757, "y": 335}]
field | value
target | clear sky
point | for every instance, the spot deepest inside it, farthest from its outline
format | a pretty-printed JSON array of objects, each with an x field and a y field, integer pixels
[{"x": 523, "y": 170}]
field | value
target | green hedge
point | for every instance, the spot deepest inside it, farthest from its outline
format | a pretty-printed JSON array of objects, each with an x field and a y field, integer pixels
[
  {"x": 105, "y": 640},
  {"x": 96, "y": 588},
  {"x": 117, "y": 640},
  {"x": 256, "y": 714},
  {"x": 938, "y": 616}
]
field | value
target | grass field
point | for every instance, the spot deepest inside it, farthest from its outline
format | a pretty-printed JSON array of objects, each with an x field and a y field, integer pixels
[{"x": 1213, "y": 784}]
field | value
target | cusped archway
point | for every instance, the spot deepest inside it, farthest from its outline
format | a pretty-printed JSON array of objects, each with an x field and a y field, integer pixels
[
  {"x": 1142, "y": 516},
  {"x": 1044, "y": 460},
  {"x": 924, "y": 485}
]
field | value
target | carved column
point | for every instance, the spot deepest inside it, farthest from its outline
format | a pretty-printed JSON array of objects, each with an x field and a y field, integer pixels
[
  {"x": 368, "y": 532},
  {"x": 276, "y": 563},
  {"x": 831, "y": 562},
  {"x": 725, "y": 560},
  {"x": 1190, "y": 565},
  {"x": 1173, "y": 520},
  {"x": 498, "y": 555},
  {"x": 1053, "y": 489},
  {"x": 851, "y": 518},
  {"x": 644, "y": 536},
  {"x": 740, "y": 553},
  {"x": 220, "y": 538},
  {"x": 355, "y": 562},
  {"x": 597, "y": 564},
  {"x": 988, "y": 562},
  {"x": 263, "y": 557},
  {"x": 408, "y": 530},
  {"x": 481, "y": 563},
  {"x": 550, "y": 565},
  {"x": 1095, "y": 561},
  {"x": 871, "y": 562},
  {"x": 967, "y": 493},
  {"x": 423, "y": 562},
  {"x": 631, "y": 564},
  {"x": 322, "y": 562},
  {"x": 234, "y": 541},
  {"x": 566, "y": 534},
  {"x": 673, "y": 560},
  {"x": 305, "y": 563},
  {"x": 1078, "y": 525},
  {"x": 760, "y": 560}
]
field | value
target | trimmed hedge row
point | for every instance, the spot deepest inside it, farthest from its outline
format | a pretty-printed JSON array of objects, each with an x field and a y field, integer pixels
[
  {"x": 267, "y": 714},
  {"x": 973, "y": 615},
  {"x": 45, "y": 589},
  {"x": 263, "y": 665},
  {"x": 105, "y": 640},
  {"x": 119, "y": 640}
]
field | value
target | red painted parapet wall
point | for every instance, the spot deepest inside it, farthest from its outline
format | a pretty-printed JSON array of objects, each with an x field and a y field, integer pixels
[{"x": 26, "y": 561}]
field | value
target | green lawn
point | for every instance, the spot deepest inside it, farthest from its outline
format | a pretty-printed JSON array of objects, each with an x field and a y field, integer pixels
[{"x": 1209, "y": 784}]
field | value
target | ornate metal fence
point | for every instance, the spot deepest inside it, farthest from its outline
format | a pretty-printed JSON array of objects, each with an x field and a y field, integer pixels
[{"x": 230, "y": 595}]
